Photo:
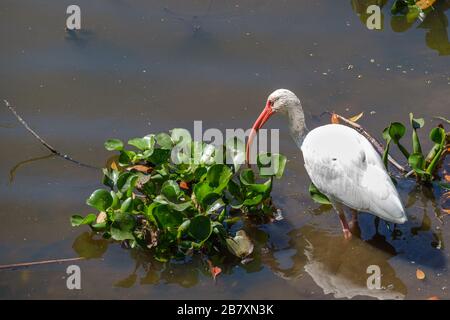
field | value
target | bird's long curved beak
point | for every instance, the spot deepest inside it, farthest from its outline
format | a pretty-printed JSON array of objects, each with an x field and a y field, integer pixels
[{"x": 263, "y": 117}]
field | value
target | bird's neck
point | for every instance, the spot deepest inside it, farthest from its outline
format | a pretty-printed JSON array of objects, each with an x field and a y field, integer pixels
[{"x": 297, "y": 124}]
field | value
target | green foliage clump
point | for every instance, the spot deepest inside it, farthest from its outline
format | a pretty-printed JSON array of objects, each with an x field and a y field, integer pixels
[
  {"x": 176, "y": 196},
  {"x": 424, "y": 166}
]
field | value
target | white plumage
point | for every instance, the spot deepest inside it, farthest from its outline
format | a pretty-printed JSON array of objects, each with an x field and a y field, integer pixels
[
  {"x": 341, "y": 162},
  {"x": 343, "y": 165}
]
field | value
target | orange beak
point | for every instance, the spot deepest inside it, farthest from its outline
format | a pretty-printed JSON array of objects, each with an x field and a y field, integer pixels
[{"x": 263, "y": 117}]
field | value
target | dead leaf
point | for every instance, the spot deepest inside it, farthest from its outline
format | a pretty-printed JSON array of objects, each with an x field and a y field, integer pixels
[
  {"x": 447, "y": 211},
  {"x": 241, "y": 245},
  {"x": 101, "y": 217},
  {"x": 447, "y": 177},
  {"x": 334, "y": 118},
  {"x": 355, "y": 118},
  {"x": 433, "y": 298},
  {"x": 420, "y": 274},
  {"x": 184, "y": 185},
  {"x": 114, "y": 165},
  {"x": 140, "y": 168},
  {"x": 423, "y": 4}
]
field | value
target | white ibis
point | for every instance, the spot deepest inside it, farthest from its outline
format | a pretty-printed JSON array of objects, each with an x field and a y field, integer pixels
[{"x": 341, "y": 163}]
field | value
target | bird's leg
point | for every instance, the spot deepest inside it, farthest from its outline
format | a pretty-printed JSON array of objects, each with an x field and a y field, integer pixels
[
  {"x": 345, "y": 229},
  {"x": 354, "y": 222}
]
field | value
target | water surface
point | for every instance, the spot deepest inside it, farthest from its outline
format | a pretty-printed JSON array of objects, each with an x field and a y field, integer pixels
[{"x": 147, "y": 66}]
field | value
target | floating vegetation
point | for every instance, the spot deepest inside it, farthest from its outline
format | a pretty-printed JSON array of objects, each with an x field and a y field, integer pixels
[{"x": 176, "y": 196}]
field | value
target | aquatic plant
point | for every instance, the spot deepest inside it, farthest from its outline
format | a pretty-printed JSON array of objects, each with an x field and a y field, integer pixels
[
  {"x": 424, "y": 166},
  {"x": 175, "y": 196}
]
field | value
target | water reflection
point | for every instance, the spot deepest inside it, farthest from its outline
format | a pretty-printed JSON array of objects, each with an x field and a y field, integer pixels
[
  {"x": 435, "y": 22},
  {"x": 311, "y": 251}
]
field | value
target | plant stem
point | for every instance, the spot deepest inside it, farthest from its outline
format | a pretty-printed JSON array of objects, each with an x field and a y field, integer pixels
[
  {"x": 35, "y": 263},
  {"x": 403, "y": 150},
  {"x": 378, "y": 146}
]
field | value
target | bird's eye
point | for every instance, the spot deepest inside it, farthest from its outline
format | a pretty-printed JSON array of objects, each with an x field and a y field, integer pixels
[{"x": 334, "y": 159}]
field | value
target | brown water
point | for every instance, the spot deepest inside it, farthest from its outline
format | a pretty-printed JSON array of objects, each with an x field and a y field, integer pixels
[{"x": 148, "y": 66}]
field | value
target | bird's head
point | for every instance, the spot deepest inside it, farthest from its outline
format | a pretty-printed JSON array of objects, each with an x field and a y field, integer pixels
[{"x": 280, "y": 101}]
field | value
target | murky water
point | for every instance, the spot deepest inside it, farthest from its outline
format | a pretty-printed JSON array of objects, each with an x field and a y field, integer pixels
[{"x": 148, "y": 66}]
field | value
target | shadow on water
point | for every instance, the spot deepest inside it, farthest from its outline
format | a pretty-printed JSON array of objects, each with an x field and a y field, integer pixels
[
  {"x": 435, "y": 22},
  {"x": 17, "y": 166}
]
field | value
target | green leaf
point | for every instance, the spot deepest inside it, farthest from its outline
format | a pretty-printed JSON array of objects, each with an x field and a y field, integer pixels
[
  {"x": 164, "y": 140},
  {"x": 110, "y": 177},
  {"x": 126, "y": 157},
  {"x": 167, "y": 218},
  {"x": 100, "y": 199},
  {"x": 318, "y": 196},
  {"x": 159, "y": 156},
  {"x": 241, "y": 245},
  {"x": 127, "y": 205},
  {"x": 386, "y": 135},
  {"x": 235, "y": 150},
  {"x": 201, "y": 190},
  {"x": 171, "y": 190},
  {"x": 212, "y": 202},
  {"x": 200, "y": 228},
  {"x": 253, "y": 201},
  {"x": 126, "y": 182},
  {"x": 247, "y": 178},
  {"x": 122, "y": 227},
  {"x": 218, "y": 176},
  {"x": 183, "y": 228},
  {"x": 271, "y": 164},
  {"x": 113, "y": 144},
  {"x": 178, "y": 206},
  {"x": 180, "y": 136},
  {"x": 413, "y": 13},
  {"x": 437, "y": 135},
  {"x": 208, "y": 155},
  {"x": 145, "y": 143},
  {"x": 396, "y": 131},
  {"x": 416, "y": 161},
  {"x": 77, "y": 220},
  {"x": 416, "y": 124}
]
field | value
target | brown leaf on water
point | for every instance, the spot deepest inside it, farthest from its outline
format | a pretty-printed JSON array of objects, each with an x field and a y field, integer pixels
[
  {"x": 140, "y": 168},
  {"x": 423, "y": 4},
  {"x": 433, "y": 298},
  {"x": 114, "y": 166},
  {"x": 420, "y": 274},
  {"x": 355, "y": 118},
  {"x": 334, "y": 118},
  {"x": 101, "y": 217},
  {"x": 184, "y": 185}
]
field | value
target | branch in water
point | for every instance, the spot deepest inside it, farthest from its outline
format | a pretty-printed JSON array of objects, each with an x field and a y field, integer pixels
[
  {"x": 42, "y": 141},
  {"x": 378, "y": 146},
  {"x": 36, "y": 263}
]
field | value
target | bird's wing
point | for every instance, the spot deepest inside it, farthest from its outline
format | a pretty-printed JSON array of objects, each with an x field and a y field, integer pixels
[{"x": 343, "y": 165}]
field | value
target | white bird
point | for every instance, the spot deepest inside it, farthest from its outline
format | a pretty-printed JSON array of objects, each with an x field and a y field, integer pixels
[{"x": 340, "y": 162}]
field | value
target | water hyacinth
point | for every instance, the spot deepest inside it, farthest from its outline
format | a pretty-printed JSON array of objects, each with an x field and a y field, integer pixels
[{"x": 177, "y": 196}]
